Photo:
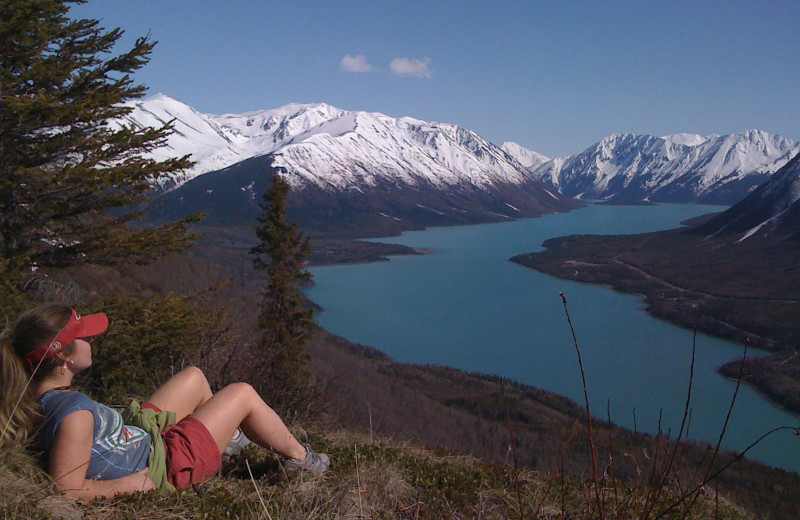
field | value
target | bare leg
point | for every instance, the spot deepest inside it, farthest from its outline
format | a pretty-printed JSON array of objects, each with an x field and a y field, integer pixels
[
  {"x": 184, "y": 393},
  {"x": 239, "y": 405}
]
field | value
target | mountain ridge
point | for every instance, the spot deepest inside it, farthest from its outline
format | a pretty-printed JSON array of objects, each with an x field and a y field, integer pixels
[
  {"x": 631, "y": 168},
  {"x": 324, "y": 145},
  {"x": 231, "y": 197},
  {"x": 413, "y": 173},
  {"x": 352, "y": 173},
  {"x": 338, "y": 149}
]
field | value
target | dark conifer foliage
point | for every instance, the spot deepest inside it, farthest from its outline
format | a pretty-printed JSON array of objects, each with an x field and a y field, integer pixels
[
  {"x": 61, "y": 164},
  {"x": 285, "y": 320}
]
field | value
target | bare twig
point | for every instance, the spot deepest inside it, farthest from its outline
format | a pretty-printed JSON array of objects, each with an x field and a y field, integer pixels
[
  {"x": 358, "y": 483},
  {"x": 513, "y": 447},
  {"x": 611, "y": 451},
  {"x": 592, "y": 450},
  {"x": 670, "y": 460},
  {"x": 728, "y": 415},
  {"x": 550, "y": 484},
  {"x": 708, "y": 475}
]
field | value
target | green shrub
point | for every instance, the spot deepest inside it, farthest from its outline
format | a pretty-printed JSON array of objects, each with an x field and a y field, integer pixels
[{"x": 148, "y": 340}]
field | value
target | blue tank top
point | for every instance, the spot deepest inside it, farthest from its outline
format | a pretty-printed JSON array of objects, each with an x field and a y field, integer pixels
[{"x": 117, "y": 450}]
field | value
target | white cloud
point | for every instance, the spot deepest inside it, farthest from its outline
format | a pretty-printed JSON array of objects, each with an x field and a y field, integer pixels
[
  {"x": 411, "y": 67},
  {"x": 357, "y": 63}
]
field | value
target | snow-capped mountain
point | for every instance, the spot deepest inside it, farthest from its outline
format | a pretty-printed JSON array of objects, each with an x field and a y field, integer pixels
[
  {"x": 334, "y": 149},
  {"x": 772, "y": 209},
  {"x": 527, "y": 158},
  {"x": 321, "y": 145},
  {"x": 216, "y": 142},
  {"x": 356, "y": 167},
  {"x": 630, "y": 168},
  {"x": 357, "y": 149},
  {"x": 688, "y": 139}
]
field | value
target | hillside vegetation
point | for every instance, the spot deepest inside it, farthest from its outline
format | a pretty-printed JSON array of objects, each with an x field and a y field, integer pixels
[
  {"x": 407, "y": 441},
  {"x": 382, "y": 472},
  {"x": 370, "y": 478}
]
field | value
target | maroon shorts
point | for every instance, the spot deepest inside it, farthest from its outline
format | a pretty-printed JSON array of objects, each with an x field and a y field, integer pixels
[{"x": 192, "y": 453}]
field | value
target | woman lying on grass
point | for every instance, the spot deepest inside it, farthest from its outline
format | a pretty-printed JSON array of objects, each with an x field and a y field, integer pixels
[{"x": 173, "y": 440}]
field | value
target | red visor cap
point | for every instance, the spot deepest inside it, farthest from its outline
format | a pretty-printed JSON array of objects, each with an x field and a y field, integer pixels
[{"x": 77, "y": 327}]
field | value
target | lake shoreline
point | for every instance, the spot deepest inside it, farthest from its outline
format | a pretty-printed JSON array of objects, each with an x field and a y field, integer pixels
[
  {"x": 671, "y": 293},
  {"x": 469, "y": 298}
]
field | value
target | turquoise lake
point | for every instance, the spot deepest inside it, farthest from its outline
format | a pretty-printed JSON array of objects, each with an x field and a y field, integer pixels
[{"x": 466, "y": 305}]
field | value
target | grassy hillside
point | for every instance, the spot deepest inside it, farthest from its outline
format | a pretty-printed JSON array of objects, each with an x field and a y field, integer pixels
[
  {"x": 370, "y": 478},
  {"x": 411, "y": 442},
  {"x": 415, "y": 441}
]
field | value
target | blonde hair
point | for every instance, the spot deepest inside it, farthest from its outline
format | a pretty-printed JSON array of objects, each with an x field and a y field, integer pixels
[{"x": 19, "y": 411}]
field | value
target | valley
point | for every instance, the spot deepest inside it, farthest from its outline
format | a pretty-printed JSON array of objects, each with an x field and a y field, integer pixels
[
  {"x": 733, "y": 275},
  {"x": 725, "y": 289},
  {"x": 379, "y": 191},
  {"x": 357, "y": 176}
]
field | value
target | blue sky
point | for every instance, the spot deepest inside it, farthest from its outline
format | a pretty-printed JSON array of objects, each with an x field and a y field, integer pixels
[{"x": 555, "y": 77}]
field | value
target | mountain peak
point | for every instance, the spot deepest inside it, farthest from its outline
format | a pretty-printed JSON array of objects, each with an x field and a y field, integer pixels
[
  {"x": 687, "y": 139},
  {"x": 524, "y": 156},
  {"x": 631, "y": 168},
  {"x": 160, "y": 96},
  {"x": 161, "y": 99}
]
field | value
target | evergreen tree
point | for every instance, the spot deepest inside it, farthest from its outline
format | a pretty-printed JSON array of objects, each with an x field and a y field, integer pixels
[
  {"x": 61, "y": 164},
  {"x": 285, "y": 320}
]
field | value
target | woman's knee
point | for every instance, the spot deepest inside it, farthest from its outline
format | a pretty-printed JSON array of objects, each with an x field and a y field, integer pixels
[
  {"x": 195, "y": 376},
  {"x": 193, "y": 372},
  {"x": 240, "y": 391}
]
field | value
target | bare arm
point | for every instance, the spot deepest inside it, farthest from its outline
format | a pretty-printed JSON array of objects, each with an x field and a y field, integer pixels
[{"x": 69, "y": 460}]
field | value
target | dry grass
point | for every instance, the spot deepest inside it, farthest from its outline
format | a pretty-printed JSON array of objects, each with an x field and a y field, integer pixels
[
  {"x": 369, "y": 479},
  {"x": 26, "y": 491}
]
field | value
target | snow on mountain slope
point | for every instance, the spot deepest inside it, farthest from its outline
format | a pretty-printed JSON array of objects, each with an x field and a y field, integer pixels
[
  {"x": 375, "y": 147},
  {"x": 687, "y": 139},
  {"x": 210, "y": 144},
  {"x": 336, "y": 149},
  {"x": 773, "y": 208},
  {"x": 524, "y": 156},
  {"x": 327, "y": 147},
  {"x": 678, "y": 168},
  {"x": 215, "y": 142},
  {"x": 784, "y": 188}
]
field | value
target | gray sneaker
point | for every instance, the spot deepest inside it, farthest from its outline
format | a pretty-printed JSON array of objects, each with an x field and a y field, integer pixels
[
  {"x": 314, "y": 462},
  {"x": 238, "y": 442}
]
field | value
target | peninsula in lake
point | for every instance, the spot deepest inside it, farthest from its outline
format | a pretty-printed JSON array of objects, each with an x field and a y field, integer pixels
[{"x": 734, "y": 275}]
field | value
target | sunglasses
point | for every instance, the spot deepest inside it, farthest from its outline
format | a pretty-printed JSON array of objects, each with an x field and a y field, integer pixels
[{"x": 89, "y": 339}]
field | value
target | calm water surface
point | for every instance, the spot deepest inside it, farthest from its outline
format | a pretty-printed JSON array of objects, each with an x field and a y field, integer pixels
[{"x": 468, "y": 307}]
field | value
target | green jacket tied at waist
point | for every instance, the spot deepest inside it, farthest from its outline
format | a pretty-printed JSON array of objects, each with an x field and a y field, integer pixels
[{"x": 154, "y": 423}]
